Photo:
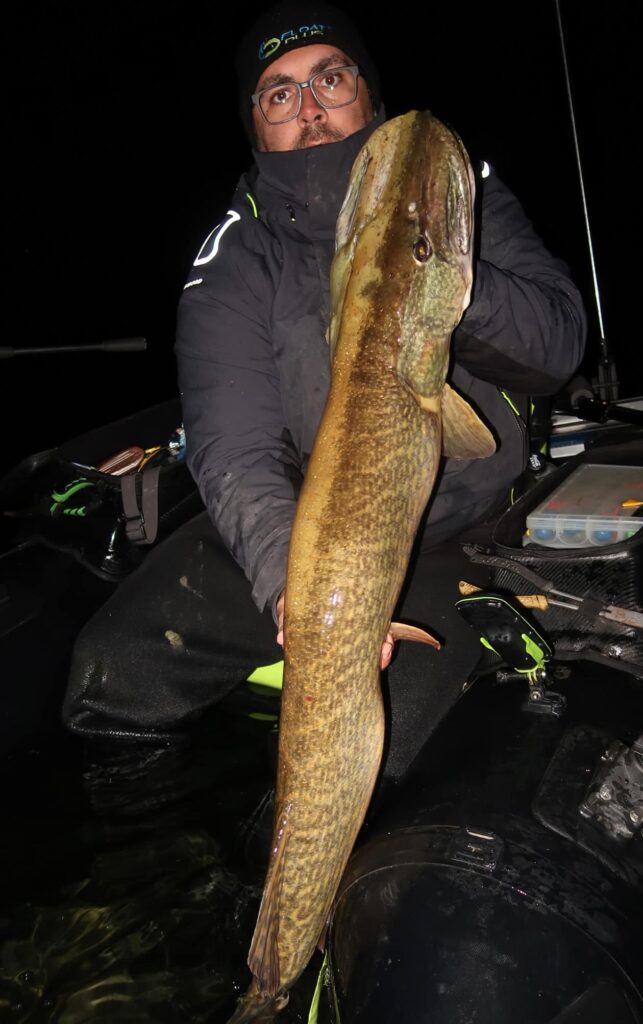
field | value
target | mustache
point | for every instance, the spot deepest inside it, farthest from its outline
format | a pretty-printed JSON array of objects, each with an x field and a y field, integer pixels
[{"x": 318, "y": 133}]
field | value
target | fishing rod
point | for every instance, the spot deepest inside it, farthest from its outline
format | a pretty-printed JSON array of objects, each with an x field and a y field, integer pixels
[
  {"x": 115, "y": 345},
  {"x": 607, "y": 383}
]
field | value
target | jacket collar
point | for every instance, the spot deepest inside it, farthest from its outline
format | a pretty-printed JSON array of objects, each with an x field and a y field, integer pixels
[{"x": 308, "y": 185}]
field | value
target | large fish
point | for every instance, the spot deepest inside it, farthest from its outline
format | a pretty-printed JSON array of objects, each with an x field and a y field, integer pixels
[{"x": 400, "y": 281}]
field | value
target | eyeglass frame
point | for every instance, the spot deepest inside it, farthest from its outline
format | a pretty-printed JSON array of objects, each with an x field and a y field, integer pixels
[{"x": 353, "y": 68}]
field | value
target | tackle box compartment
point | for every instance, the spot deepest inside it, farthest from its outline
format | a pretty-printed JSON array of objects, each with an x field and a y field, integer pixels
[{"x": 595, "y": 505}]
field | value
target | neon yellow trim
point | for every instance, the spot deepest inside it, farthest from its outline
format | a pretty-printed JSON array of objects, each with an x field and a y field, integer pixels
[
  {"x": 313, "y": 1013},
  {"x": 253, "y": 205},
  {"x": 532, "y": 406},
  {"x": 269, "y": 675},
  {"x": 73, "y": 488},
  {"x": 533, "y": 650},
  {"x": 260, "y": 717},
  {"x": 485, "y": 643},
  {"x": 507, "y": 399}
]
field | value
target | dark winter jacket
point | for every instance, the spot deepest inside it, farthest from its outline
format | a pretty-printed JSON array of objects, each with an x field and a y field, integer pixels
[{"x": 254, "y": 366}]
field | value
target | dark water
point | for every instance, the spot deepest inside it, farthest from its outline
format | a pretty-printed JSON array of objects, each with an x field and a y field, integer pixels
[{"x": 130, "y": 879}]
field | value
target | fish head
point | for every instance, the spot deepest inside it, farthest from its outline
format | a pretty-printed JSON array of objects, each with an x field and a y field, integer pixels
[{"x": 404, "y": 245}]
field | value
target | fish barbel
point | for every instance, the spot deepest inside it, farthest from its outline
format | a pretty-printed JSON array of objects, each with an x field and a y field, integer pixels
[{"x": 400, "y": 281}]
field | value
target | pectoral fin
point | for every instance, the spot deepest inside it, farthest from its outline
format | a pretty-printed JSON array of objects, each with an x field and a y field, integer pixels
[
  {"x": 263, "y": 958},
  {"x": 464, "y": 435},
  {"x": 402, "y": 631}
]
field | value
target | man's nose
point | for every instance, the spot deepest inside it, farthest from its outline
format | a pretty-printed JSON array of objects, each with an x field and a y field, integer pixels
[{"x": 311, "y": 110}]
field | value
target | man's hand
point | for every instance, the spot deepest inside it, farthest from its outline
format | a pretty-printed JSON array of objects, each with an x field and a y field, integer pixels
[
  {"x": 280, "y": 620},
  {"x": 387, "y": 647}
]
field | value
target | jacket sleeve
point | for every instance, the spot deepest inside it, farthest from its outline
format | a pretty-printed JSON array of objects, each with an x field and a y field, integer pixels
[
  {"x": 238, "y": 449},
  {"x": 525, "y": 327}
]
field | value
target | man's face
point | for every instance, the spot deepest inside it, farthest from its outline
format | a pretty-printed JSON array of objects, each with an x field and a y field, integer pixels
[{"x": 314, "y": 125}]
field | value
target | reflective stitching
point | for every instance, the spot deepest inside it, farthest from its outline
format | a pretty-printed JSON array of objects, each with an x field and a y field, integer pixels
[{"x": 205, "y": 256}]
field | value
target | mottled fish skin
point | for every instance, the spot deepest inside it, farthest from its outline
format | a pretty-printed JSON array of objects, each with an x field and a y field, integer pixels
[{"x": 400, "y": 282}]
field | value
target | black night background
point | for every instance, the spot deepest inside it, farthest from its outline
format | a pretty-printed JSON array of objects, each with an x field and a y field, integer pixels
[
  {"x": 123, "y": 146},
  {"x": 132, "y": 871}
]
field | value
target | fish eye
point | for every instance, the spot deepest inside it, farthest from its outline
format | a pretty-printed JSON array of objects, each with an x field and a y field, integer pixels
[{"x": 421, "y": 249}]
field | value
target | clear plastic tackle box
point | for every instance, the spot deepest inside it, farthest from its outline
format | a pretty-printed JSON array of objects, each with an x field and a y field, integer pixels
[{"x": 593, "y": 506}]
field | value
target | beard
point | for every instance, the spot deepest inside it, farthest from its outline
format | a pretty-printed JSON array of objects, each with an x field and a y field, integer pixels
[{"x": 318, "y": 133}]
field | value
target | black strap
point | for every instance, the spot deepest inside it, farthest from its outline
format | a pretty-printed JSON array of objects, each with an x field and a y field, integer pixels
[
  {"x": 141, "y": 522},
  {"x": 478, "y": 554}
]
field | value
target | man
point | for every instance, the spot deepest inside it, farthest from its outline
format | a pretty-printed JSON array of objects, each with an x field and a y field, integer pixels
[{"x": 254, "y": 374}]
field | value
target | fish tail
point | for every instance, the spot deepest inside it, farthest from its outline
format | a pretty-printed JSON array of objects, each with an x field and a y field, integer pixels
[
  {"x": 255, "y": 1008},
  {"x": 263, "y": 958}
]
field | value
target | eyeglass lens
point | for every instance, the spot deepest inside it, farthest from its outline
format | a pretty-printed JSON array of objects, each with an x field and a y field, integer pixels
[{"x": 332, "y": 88}]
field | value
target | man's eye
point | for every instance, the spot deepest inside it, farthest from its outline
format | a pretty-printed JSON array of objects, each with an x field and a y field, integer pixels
[
  {"x": 280, "y": 96},
  {"x": 331, "y": 80}
]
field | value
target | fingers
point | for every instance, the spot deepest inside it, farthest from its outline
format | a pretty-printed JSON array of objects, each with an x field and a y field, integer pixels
[
  {"x": 280, "y": 620},
  {"x": 388, "y": 645}
]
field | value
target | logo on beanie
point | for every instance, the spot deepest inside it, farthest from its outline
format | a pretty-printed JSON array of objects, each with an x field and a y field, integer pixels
[{"x": 292, "y": 35}]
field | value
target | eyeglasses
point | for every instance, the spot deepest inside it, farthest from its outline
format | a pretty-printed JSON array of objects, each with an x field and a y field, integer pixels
[{"x": 335, "y": 87}]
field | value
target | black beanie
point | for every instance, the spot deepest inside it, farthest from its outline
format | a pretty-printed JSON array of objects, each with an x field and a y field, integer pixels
[{"x": 289, "y": 26}]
